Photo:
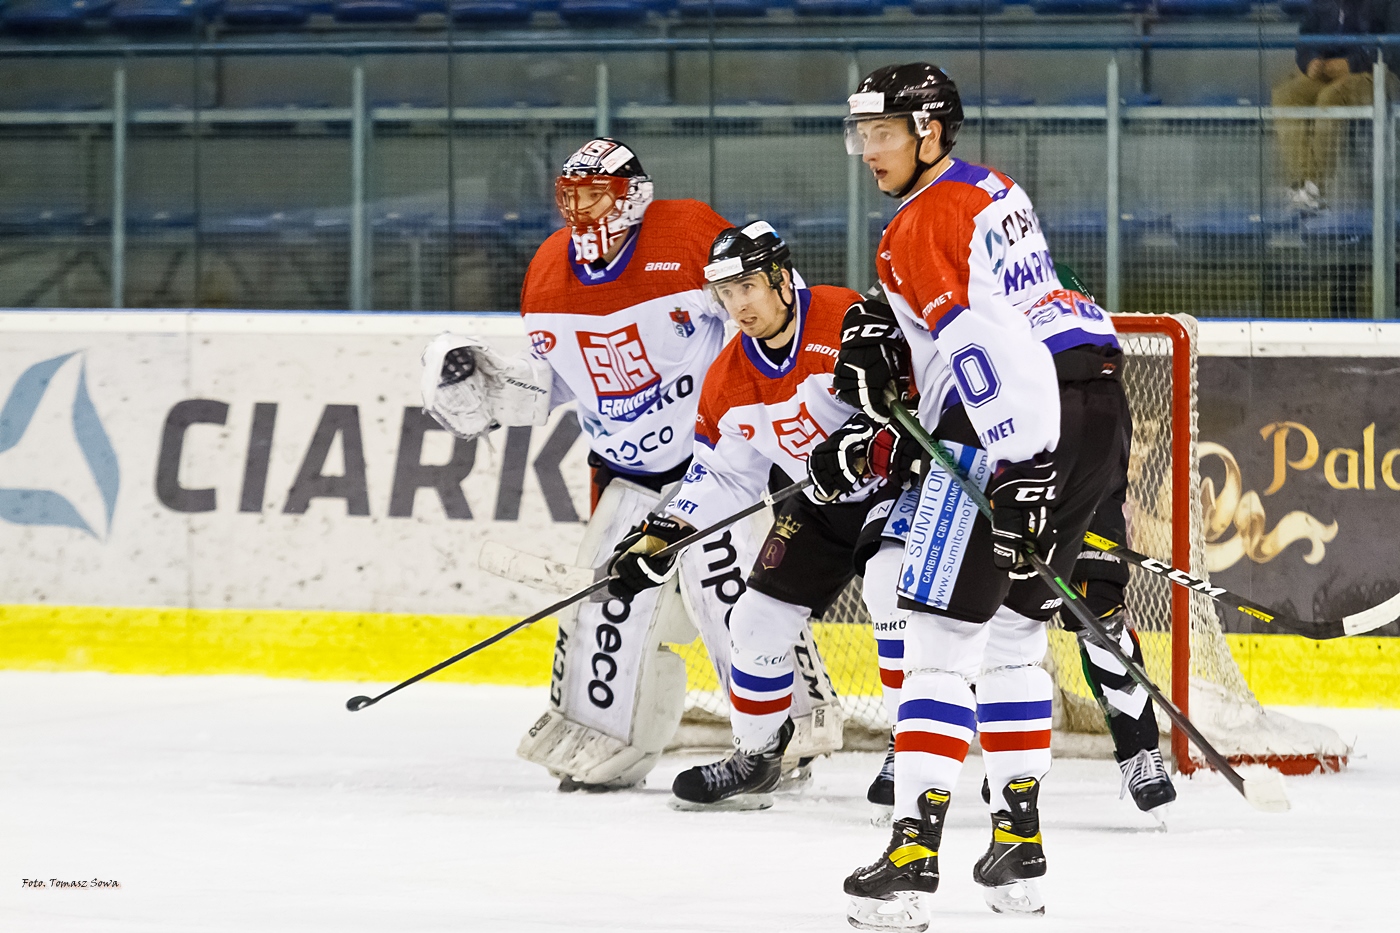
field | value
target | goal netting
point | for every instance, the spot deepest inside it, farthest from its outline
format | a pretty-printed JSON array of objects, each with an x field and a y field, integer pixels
[{"x": 1187, "y": 652}]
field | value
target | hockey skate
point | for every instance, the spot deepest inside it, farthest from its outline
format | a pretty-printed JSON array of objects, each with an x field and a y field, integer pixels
[
  {"x": 1015, "y": 858},
  {"x": 1146, "y": 778},
  {"x": 881, "y": 792},
  {"x": 742, "y": 781},
  {"x": 888, "y": 895}
]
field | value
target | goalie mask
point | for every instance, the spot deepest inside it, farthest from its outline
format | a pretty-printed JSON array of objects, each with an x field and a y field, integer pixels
[
  {"x": 921, "y": 94},
  {"x": 602, "y": 194}
]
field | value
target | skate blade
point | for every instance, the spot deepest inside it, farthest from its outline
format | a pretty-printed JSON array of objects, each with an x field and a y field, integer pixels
[
  {"x": 1018, "y": 897},
  {"x": 1160, "y": 814},
  {"x": 737, "y": 803},
  {"x": 881, "y": 816},
  {"x": 903, "y": 912},
  {"x": 794, "y": 780}
]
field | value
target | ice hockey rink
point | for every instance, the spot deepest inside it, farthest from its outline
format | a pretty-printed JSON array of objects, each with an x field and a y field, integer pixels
[{"x": 245, "y": 804}]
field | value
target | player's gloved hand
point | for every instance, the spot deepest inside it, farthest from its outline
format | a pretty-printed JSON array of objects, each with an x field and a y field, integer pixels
[
  {"x": 838, "y": 464},
  {"x": 1022, "y": 496},
  {"x": 873, "y": 354},
  {"x": 896, "y": 457},
  {"x": 632, "y": 563}
]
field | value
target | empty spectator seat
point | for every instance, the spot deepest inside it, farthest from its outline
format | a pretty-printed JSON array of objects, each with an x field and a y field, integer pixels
[
  {"x": 602, "y": 12},
  {"x": 838, "y": 7},
  {"x": 51, "y": 16},
  {"x": 376, "y": 11},
  {"x": 723, "y": 8},
  {"x": 266, "y": 13},
  {"x": 492, "y": 12},
  {"x": 1204, "y": 7},
  {"x": 159, "y": 15},
  {"x": 955, "y": 7},
  {"x": 1096, "y": 7}
]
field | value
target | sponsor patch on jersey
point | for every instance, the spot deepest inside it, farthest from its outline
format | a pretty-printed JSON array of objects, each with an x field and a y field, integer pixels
[
  {"x": 799, "y": 434},
  {"x": 662, "y": 267},
  {"x": 541, "y": 341},
  {"x": 681, "y": 319},
  {"x": 623, "y": 378}
]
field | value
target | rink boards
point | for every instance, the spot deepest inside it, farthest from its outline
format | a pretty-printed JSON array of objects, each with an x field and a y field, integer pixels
[{"x": 257, "y": 493}]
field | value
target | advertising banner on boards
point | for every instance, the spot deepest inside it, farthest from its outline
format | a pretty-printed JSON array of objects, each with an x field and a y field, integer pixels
[
  {"x": 1300, "y": 467},
  {"x": 269, "y": 461}
]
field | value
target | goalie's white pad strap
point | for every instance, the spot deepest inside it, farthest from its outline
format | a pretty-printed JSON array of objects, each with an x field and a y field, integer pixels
[{"x": 500, "y": 390}]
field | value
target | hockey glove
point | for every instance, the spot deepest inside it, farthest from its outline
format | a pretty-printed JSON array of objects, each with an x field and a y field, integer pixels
[
  {"x": 838, "y": 464},
  {"x": 873, "y": 354},
  {"x": 896, "y": 457},
  {"x": 1022, "y": 496},
  {"x": 633, "y": 566}
]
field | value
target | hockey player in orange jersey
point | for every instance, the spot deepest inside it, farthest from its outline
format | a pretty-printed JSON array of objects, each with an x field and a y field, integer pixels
[
  {"x": 767, "y": 404},
  {"x": 619, "y": 322}
]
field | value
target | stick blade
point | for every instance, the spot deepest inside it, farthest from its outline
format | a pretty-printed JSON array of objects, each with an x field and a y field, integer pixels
[
  {"x": 502, "y": 560},
  {"x": 1265, "y": 791},
  {"x": 1370, "y": 619}
]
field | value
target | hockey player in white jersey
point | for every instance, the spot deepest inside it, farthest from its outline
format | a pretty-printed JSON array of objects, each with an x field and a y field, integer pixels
[
  {"x": 619, "y": 321},
  {"x": 1018, "y": 378},
  {"x": 767, "y": 404}
]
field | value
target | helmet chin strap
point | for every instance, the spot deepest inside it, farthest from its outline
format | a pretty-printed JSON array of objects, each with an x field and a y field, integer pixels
[
  {"x": 920, "y": 167},
  {"x": 791, "y": 307}
]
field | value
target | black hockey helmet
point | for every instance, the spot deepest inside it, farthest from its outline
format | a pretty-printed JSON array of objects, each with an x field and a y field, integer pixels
[
  {"x": 919, "y": 92},
  {"x": 741, "y": 251}
]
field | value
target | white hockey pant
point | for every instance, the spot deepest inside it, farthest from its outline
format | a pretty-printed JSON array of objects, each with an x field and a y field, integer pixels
[{"x": 939, "y": 713}]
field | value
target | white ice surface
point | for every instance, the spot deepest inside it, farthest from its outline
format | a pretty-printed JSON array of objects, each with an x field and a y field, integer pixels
[{"x": 240, "y": 804}]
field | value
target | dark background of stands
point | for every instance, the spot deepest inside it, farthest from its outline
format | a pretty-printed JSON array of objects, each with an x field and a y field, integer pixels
[{"x": 325, "y": 172}]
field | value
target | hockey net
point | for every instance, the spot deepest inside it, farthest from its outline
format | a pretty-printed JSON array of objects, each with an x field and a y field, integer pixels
[{"x": 1186, "y": 650}]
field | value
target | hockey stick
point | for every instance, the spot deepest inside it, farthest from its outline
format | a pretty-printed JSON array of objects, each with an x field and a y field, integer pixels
[
  {"x": 510, "y": 563},
  {"x": 1264, "y": 793},
  {"x": 1355, "y": 624},
  {"x": 355, "y": 704}
]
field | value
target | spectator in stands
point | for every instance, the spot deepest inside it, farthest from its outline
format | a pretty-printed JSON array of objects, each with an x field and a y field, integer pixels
[{"x": 1330, "y": 76}]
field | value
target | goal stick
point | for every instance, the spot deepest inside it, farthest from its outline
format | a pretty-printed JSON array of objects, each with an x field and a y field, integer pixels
[
  {"x": 355, "y": 704},
  {"x": 1264, "y": 793}
]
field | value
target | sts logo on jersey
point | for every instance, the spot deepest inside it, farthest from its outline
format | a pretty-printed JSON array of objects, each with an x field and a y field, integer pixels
[
  {"x": 800, "y": 434},
  {"x": 623, "y": 378},
  {"x": 681, "y": 318}
]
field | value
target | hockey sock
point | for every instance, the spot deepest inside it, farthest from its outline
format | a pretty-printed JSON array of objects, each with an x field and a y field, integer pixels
[
  {"x": 889, "y": 621},
  {"x": 1126, "y": 705},
  {"x": 762, "y": 631},
  {"x": 1014, "y": 702},
  {"x": 937, "y": 711}
]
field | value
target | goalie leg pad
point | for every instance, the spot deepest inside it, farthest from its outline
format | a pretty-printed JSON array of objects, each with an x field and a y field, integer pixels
[{"x": 617, "y": 689}]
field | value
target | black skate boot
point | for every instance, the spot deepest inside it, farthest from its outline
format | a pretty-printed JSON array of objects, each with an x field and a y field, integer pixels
[
  {"x": 1015, "y": 857},
  {"x": 1146, "y": 778},
  {"x": 886, "y": 895},
  {"x": 881, "y": 792},
  {"x": 740, "y": 782}
]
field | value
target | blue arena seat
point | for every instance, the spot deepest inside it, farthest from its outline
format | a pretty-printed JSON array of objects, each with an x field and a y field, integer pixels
[
  {"x": 51, "y": 16},
  {"x": 1293, "y": 7},
  {"x": 1204, "y": 7},
  {"x": 492, "y": 12},
  {"x": 838, "y": 7},
  {"x": 602, "y": 12},
  {"x": 1097, "y": 7},
  {"x": 1000, "y": 100},
  {"x": 723, "y": 8},
  {"x": 376, "y": 11},
  {"x": 159, "y": 15},
  {"x": 955, "y": 7},
  {"x": 266, "y": 13}
]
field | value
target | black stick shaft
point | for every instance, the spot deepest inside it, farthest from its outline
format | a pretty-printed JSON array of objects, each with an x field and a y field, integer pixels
[
  {"x": 595, "y": 586},
  {"x": 907, "y": 421}
]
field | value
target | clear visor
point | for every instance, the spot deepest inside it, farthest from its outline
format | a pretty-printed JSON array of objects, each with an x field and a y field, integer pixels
[
  {"x": 885, "y": 133},
  {"x": 586, "y": 199},
  {"x": 733, "y": 292}
]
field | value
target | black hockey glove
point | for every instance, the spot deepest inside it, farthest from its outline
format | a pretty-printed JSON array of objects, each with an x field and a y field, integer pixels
[
  {"x": 838, "y": 464},
  {"x": 1022, "y": 495},
  {"x": 873, "y": 354},
  {"x": 896, "y": 457},
  {"x": 632, "y": 564}
]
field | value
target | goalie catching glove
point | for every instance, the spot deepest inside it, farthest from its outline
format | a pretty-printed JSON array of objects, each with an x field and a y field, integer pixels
[
  {"x": 633, "y": 565},
  {"x": 1022, "y": 496},
  {"x": 873, "y": 354},
  {"x": 471, "y": 390}
]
